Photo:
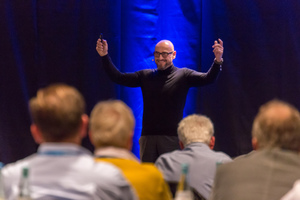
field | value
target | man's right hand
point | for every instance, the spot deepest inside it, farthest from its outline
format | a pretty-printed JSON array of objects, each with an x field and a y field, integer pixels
[{"x": 102, "y": 47}]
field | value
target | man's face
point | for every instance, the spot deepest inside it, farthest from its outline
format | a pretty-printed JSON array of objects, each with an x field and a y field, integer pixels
[{"x": 164, "y": 60}]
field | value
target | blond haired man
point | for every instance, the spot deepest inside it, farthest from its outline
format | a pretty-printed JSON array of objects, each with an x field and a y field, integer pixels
[{"x": 111, "y": 131}]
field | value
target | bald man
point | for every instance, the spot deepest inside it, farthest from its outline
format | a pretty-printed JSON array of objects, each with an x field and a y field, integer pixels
[{"x": 164, "y": 94}]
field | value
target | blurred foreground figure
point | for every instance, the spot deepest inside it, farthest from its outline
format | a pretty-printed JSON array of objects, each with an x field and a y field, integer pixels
[
  {"x": 196, "y": 138},
  {"x": 111, "y": 132},
  {"x": 61, "y": 168},
  {"x": 270, "y": 171}
]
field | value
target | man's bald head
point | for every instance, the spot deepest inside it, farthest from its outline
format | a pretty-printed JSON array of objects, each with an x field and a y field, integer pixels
[
  {"x": 277, "y": 124},
  {"x": 165, "y": 43},
  {"x": 164, "y": 54}
]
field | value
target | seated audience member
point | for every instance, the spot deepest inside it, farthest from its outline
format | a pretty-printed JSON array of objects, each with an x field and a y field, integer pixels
[
  {"x": 111, "y": 131},
  {"x": 270, "y": 171},
  {"x": 61, "y": 168},
  {"x": 196, "y": 140}
]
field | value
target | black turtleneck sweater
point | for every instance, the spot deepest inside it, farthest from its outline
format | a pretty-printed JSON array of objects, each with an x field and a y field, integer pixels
[{"x": 164, "y": 93}]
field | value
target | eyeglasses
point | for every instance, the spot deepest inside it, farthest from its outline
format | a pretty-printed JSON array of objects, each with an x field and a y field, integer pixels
[{"x": 164, "y": 54}]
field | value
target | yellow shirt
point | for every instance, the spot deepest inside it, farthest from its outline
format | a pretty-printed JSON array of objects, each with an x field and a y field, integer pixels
[{"x": 145, "y": 178}]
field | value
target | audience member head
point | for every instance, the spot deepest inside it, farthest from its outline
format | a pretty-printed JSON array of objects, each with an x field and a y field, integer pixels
[
  {"x": 112, "y": 124},
  {"x": 277, "y": 125},
  {"x": 57, "y": 114},
  {"x": 196, "y": 128}
]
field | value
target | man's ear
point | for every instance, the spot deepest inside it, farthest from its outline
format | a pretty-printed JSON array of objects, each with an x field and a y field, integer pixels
[
  {"x": 129, "y": 141},
  {"x": 36, "y": 134},
  {"x": 84, "y": 125},
  {"x": 174, "y": 54},
  {"x": 181, "y": 145},
  {"x": 212, "y": 142},
  {"x": 254, "y": 143}
]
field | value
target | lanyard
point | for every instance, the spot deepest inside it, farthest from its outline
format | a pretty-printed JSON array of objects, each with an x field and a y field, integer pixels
[{"x": 60, "y": 153}]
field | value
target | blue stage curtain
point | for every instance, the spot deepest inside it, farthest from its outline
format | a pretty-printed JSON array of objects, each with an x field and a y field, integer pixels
[{"x": 49, "y": 41}]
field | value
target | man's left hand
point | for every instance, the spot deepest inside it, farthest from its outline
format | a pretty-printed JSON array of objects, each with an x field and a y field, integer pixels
[{"x": 218, "y": 50}]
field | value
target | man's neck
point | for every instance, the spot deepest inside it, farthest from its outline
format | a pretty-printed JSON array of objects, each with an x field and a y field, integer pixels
[
  {"x": 73, "y": 140},
  {"x": 166, "y": 67}
]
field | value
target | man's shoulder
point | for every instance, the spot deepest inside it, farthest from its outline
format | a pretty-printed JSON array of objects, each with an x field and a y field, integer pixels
[
  {"x": 221, "y": 155},
  {"x": 170, "y": 155},
  {"x": 145, "y": 171},
  {"x": 171, "y": 160},
  {"x": 246, "y": 155},
  {"x": 182, "y": 70},
  {"x": 146, "y": 71},
  {"x": 185, "y": 69},
  {"x": 109, "y": 168},
  {"x": 201, "y": 151},
  {"x": 131, "y": 165},
  {"x": 14, "y": 169},
  {"x": 243, "y": 162},
  {"x": 110, "y": 179},
  {"x": 119, "y": 163}
]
